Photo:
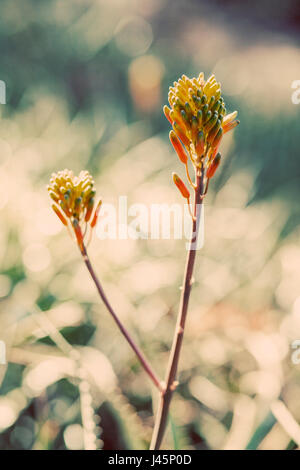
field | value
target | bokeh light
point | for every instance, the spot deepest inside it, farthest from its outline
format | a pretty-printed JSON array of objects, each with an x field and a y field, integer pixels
[{"x": 86, "y": 83}]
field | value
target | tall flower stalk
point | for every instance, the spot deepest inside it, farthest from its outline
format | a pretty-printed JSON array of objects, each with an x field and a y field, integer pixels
[
  {"x": 74, "y": 204},
  {"x": 198, "y": 116}
]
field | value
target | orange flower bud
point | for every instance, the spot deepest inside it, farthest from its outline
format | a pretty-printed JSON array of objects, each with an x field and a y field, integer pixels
[
  {"x": 181, "y": 186},
  {"x": 200, "y": 143},
  {"x": 211, "y": 122},
  {"x": 180, "y": 133},
  {"x": 177, "y": 117},
  {"x": 214, "y": 152},
  {"x": 95, "y": 218},
  {"x": 200, "y": 117},
  {"x": 178, "y": 147},
  {"x": 213, "y": 132},
  {"x": 194, "y": 129},
  {"x": 89, "y": 210},
  {"x": 213, "y": 166},
  {"x": 217, "y": 139},
  {"x": 230, "y": 125},
  {"x": 229, "y": 118},
  {"x": 78, "y": 233},
  {"x": 53, "y": 195},
  {"x": 59, "y": 214}
]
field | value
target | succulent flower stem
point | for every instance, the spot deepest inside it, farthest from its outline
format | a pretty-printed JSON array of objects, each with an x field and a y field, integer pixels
[
  {"x": 188, "y": 176},
  {"x": 190, "y": 209},
  {"x": 166, "y": 395},
  {"x": 140, "y": 355}
]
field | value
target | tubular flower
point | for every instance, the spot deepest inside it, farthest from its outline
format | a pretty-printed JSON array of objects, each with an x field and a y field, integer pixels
[
  {"x": 74, "y": 201},
  {"x": 181, "y": 186},
  {"x": 198, "y": 116}
]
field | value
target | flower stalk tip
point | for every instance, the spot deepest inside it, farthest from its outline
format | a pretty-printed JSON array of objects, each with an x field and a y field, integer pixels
[
  {"x": 199, "y": 120},
  {"x": 74, "y": 201}
]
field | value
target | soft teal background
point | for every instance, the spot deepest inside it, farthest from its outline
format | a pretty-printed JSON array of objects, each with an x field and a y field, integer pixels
[{"x": 86, "y": 82}]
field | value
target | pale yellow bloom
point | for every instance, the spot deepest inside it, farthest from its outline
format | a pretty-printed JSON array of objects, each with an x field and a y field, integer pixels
[
  {"x": 74, "y": 200},
  {"x": 198, "y": 116}
]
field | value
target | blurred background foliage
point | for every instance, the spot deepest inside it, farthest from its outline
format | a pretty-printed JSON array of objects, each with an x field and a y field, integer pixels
[{"x": 86, "y": 81}]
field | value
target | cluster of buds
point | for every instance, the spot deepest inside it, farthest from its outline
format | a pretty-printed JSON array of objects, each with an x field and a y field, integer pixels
[
  {"x": 74, "y": 202},
  {"x": 198, "y": 116}
]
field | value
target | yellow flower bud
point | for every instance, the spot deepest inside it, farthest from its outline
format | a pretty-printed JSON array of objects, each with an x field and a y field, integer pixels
[
  {"x": 167, "y": 113},
  {"x": 180, "y": 133}
]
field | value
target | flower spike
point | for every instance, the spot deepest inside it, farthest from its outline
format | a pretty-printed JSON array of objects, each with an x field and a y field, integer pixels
[
  {"x": 199, "y": 119},
  {"x": 74, "y": 198},
  {"x": 198, "y": 116}
]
